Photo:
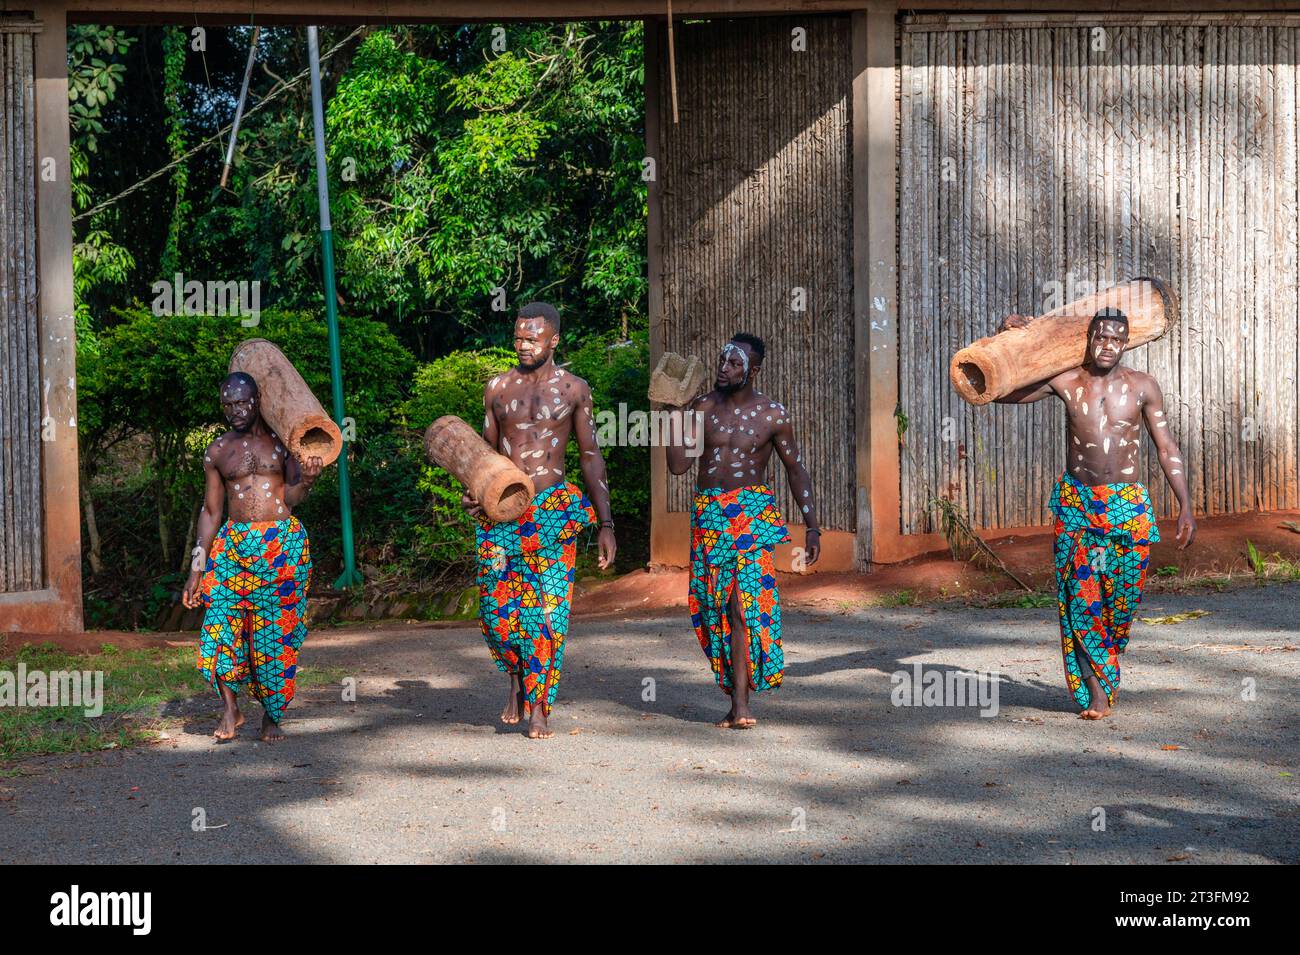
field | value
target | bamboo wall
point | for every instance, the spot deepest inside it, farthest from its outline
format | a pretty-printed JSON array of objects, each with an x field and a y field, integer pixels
[
  {"x": 757, "y": 201},
  {"x": 1025, "y": 156},
  {"x": 21, "y": 525}
]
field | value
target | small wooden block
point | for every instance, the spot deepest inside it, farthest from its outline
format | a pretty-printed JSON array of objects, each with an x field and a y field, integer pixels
[{"x": 676, "y": 380}]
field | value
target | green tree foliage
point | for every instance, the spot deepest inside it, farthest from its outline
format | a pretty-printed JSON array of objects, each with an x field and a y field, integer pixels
[
  {"x": 617, "y": 371},
  {"x": 95, "y": 73},
  {"x": 456, "y": 169},
  {"x": 462, "y": 160}
]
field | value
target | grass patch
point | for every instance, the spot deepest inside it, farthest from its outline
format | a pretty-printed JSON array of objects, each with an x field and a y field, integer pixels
[
  {"x": 899, "y": 598},
  {"x": 136, "y": 685},
  {"x": 1019, "y": 600},
  {"x": 1271, "y": 566}
]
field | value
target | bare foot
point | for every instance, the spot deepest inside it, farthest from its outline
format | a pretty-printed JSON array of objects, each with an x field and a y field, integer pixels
[
  {"x": 537, "y": 725},
  {"x": 271, "y": 732},
  {"x": 742, "y": 718},
  {"x": 1098, "y": 709},
  {"x": 513, "y": 712},
  {"x": 737, "y": 718},
  {"x": 228, "y": 728}
]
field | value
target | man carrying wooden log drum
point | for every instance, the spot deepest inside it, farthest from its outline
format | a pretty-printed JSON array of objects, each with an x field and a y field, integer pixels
[
  {"x": 735, "y": 527},
  {"x": 1104, "y": 521},
  {"x": 525, "y": 567},
  {"x": 254, "y": 584}
]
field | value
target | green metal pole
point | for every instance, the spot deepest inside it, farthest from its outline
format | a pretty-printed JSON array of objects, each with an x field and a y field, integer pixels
[{"x": 350, "y": 577}]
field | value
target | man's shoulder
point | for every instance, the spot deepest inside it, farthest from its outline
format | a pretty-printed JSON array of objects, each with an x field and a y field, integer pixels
[
  {"x": 217, "y": 449},
  {"x": 497, "y": 382},
  {"x": 770, "y": 407},
  {"x": 1067, "y": 378},
  {"x": 704, "y": 402},
  {"x": 220, "y": 442},
  {"x": 569, "y": 382},
  {"x": 1140, "y": 379}
]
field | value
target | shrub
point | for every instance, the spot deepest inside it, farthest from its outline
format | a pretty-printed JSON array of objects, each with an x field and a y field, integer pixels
[{"x": 618, "y": 372}]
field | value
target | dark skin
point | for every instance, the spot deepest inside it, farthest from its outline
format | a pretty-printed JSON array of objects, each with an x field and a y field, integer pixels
[
  {"x": 248, "y": 468},
  {"x": 742, "y": 427},
  {"x": 530, "y": 413},
  {"x": 1106, "y": 405}
]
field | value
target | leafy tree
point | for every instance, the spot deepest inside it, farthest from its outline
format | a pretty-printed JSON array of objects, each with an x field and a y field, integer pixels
[
  {"x": 462, "y": 160},
  {"x": 479, "y": 168},
  {"x": 455, "y": 170},
  {"x": 95, "y": 73}
]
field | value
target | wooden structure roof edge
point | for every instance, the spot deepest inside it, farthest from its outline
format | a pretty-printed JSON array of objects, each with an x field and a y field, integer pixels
[{"x": 235, "y": 12}]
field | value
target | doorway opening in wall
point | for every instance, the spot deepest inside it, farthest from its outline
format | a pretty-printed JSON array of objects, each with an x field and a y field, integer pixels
[{"x": 472, "y": 168}]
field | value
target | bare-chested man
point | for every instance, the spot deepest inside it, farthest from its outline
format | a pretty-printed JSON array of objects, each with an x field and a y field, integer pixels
[
  {"x": 525, "y": 567},
  {"x": 1104, "y": 521},
  {"x": 735, "y": 526},
  {"x": 254, "y": 584}
]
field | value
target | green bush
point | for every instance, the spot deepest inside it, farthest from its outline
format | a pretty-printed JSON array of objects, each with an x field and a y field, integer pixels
[
  {"x": 618, "y": 372},
  {"x": 454, "y": 384},
  {"x": 615, "y": 370},
  {"x": 159, "y": 373}
]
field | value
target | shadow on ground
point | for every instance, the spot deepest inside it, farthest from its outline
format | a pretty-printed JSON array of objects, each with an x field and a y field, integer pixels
[{"x": 419, "y": 769}]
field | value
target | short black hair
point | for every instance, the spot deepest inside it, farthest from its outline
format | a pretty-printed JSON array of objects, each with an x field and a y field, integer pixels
[
  {"x": 241, "y": 378},
  {"x": 1107, "y": 314},
  {"x": 753, "y": 341},
  {"x": 543, "y": 311}
]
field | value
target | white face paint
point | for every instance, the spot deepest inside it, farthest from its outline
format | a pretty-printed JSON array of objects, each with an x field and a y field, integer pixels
[{"x": 731, "y": 349}]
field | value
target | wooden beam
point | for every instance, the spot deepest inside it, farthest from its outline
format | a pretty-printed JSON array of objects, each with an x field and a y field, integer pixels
[
  {"x": 58, "y": 606},
  {"x": 660, "y": 532},
  {"x": 217, "y": 12},
  {"x": 861, "y": 291},
  {"x": 876, "y": 316},
  {"x": 211, "y": 12}
]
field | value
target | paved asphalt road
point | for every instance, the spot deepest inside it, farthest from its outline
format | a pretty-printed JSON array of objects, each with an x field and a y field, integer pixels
[{"x": 419, "y": 770}]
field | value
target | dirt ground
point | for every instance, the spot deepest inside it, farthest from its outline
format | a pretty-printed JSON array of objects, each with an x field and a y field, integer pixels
[{"x": 1197, "y": 765}]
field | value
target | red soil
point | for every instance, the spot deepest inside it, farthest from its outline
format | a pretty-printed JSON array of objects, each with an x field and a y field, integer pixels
[{"x": 1219, "y": 550}]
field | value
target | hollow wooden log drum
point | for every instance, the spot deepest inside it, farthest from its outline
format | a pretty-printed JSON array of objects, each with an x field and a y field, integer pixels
[
  {"x": 491, "y": 478},
  {"x": 993, "y": 367},
  {"x": 288, "y": 404}
]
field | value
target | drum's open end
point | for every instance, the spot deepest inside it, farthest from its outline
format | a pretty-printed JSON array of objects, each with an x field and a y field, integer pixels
[
  {"x": 973, "y": 375},
  {"x": 515, "y": 497},
  {"x": 970, "y": 379},
  {"x": 317, "y": 442},
  {"x": 321, "y": 440},
  {"x": 507, "y": 495}
]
